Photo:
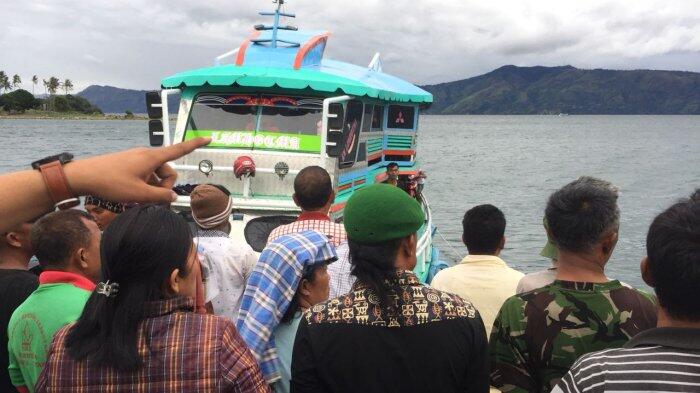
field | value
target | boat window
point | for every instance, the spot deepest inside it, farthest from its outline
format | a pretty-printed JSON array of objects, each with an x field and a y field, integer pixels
[
  {"x": 367, "y": 118},
  {"x": 292, "y": 115},
  {"x": 223, "y": 113},
  {"x": 351, "y": 133},
  {"x": 401, "y": 116},
  {"x": 257, "y": 122},
  {"x": 377, "y": 118}
]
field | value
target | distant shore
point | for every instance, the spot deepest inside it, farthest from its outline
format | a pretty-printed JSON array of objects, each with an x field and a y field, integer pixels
[{"x": 53, "y": 115}]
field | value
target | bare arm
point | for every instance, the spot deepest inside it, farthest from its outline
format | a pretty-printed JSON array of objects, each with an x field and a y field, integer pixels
[{"x": 135, "y": 175}]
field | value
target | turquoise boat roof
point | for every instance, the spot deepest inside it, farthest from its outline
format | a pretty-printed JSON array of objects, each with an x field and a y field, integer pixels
[{"x": 298, "y": 66}]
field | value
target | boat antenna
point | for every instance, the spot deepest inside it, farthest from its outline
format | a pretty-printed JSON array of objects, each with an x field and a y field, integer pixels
[{"x": 276, "y": 26}]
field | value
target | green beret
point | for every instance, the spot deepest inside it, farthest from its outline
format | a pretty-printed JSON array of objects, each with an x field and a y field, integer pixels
[{"x": 381, "y": 212}]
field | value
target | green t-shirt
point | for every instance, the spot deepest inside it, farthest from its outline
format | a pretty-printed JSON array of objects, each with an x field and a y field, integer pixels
[
  {"x": 33, "y": 325},
  {"x": 538, "y": 335}
]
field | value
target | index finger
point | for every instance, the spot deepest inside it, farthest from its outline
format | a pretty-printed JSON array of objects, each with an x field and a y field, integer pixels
[{"x": 178, "y": 150}]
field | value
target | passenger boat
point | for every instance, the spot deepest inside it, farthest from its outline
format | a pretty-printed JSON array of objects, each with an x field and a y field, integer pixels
[{"x": 275, "y": 105}]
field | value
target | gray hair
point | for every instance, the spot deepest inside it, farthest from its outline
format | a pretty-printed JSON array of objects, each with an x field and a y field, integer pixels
[{"x": 581, "y": 212}]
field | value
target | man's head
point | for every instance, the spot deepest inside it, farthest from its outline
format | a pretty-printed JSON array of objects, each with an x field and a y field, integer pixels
[
  {"x": 211, "y": 207},
  {"x": 392, "y": 169},
  {"x": 16, "y": 244},
  {"x": 583, "y": 218},
  {"x": 313, "y": 189},
  {"x": 483, "y": 228},
  {"x": 672, "y": 265},
  {"x": 68, "y": 240},
  {"x": 103, "y": 211}
]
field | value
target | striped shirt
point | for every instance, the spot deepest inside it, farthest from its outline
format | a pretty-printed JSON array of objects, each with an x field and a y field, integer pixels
[
  {"x": 181, "y": 352},
  {"x": 314, "y": 221},
  {"x": 656, "y": 360}
]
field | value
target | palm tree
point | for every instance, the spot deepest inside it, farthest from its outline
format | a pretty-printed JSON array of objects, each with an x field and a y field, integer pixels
[
  {"x": 35, "y": 81},
  {"x": 3, "y": 77},
  {"x": 53, "y": 85},
  {"x": 5, "y": 84},
  {"x": 16, "y": 81},
  {"x": 46, "y": 99},
  {"x": 67, "y": 85}
]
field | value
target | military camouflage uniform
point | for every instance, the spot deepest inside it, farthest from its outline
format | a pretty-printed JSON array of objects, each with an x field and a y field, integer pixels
[{"x": 538, "y": 335}]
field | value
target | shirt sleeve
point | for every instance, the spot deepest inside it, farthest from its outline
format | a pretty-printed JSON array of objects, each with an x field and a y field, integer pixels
[
  {"x": 478, "y": 370},
  {"x": 240, "y": 371},
  {"x": 14, "y": 371},
  {"x": 507, "y": 348},
  {"x": 305, "y": 377},
  {"x": 211, "y": 278}
]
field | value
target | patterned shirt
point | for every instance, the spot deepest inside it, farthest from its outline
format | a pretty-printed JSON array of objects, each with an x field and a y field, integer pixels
[
  {"x": 539, "y": 334},
  {"x": 428, "y": 341},
  {"x": 226, "y": 265},
  {"x": 181, "y": 352},
  {"x": 312, "y": 221},
  {"x": 341, "y": 279}
]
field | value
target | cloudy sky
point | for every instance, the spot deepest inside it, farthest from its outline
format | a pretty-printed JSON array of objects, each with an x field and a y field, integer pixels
[{"x": 134, "y": 43}]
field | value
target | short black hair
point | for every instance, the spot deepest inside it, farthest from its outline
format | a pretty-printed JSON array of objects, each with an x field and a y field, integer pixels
[
  {"x": 673, "y": 252},
  {"x": 56, "y": 235},
  {"x": 483, "y": 228},
  {"x": 391, "y": 165},
  {"x": 582, "y": 211},
  {"x": 313, "y": 187}
]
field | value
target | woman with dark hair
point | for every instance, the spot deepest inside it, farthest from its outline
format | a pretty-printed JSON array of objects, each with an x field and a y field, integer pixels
[
  {"x": 143, "y": 328},
  {"x": 290, "y": 276},
  {"x": 390, "y": 333}
]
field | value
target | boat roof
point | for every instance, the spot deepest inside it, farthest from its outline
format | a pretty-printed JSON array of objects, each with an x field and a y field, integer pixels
[{"x": 293, "y": 59}]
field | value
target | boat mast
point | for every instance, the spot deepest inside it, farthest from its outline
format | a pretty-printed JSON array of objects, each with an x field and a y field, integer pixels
[{"x": 276, "y": 26}]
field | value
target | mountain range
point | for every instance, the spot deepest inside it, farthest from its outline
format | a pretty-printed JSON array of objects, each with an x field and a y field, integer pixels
[
  {"x": 553, "y": 90},
  {"x": 116, "y": 100},
  {"x": 516, "y": 90}
]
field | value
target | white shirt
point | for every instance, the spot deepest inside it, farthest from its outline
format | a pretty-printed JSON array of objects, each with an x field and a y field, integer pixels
[
  {"x": 485, "y": 280},
  {"x": 226, "y": 265},
  {"x": 339, "y": 271}
]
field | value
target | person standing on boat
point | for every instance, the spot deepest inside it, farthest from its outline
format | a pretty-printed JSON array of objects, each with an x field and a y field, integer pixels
[
  {"x": 482, "y": 276},
  {"x": 67, "y": 244},
  {"x": 102, "y": 211},
  {"x": 313, "y": 193},
  {"x": 538, "y": 335},
  {"x": 226, "y": 263},
  {"x": 390, "y": 333}
]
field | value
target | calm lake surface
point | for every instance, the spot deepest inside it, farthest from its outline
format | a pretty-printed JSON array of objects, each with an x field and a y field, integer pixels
[{"x": 513, "y": 162}]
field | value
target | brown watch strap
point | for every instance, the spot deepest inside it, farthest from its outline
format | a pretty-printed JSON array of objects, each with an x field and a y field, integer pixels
[{"x": 56, "y": 182}]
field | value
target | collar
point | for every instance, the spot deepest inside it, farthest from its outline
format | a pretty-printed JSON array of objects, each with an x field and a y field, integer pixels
[
  {"x": 304, "y": 216},
  {"x": 403, "y": 278},
  {"x": 587, "y": 286},
  {"x": 484, "y": 260},
  {"x": 158, "y": 308},
  {"x": 685, "y": 338},
  {"x": 60, "y": 277}
]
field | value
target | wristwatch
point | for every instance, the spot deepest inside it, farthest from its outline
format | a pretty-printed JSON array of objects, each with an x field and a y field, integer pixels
[{"x": 51, "y": 169}]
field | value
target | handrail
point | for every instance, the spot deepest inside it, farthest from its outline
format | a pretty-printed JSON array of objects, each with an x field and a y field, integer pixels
[{"x": 217, "y": 60}]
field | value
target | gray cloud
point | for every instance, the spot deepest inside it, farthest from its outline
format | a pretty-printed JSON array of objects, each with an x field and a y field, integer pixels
[{"x": 135, "y": 43}]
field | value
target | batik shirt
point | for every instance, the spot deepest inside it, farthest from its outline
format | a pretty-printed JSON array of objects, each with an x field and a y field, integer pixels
[
  {"x": 538, "y": 335},
  {"x": 427, "y": 341}
]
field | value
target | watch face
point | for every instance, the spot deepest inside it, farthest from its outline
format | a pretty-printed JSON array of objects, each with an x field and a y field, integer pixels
[{"x": 63, "y": 158}]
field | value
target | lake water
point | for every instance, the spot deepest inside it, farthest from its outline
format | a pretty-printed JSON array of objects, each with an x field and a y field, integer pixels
[{"x": 513, "y": 162}]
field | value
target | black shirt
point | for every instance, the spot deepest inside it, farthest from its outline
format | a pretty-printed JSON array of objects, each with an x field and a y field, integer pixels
[
  {"x": 436, "y": 342},
  {"x": 15, "y": 287}
]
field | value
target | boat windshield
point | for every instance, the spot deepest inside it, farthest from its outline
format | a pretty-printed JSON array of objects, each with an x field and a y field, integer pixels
[{"x": 260, "y": 122}]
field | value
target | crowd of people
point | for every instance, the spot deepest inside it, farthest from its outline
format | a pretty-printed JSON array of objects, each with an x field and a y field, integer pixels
[{"x": 132, "y": 297}]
